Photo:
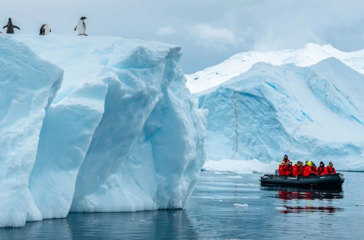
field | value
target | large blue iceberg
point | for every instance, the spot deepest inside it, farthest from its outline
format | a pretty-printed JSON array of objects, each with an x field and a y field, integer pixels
[
  {"x": 305, "y": 103},
  {"x": 121, "y": 133}
]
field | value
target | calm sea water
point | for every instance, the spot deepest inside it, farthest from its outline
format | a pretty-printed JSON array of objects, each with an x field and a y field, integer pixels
[{"x": 223, "y": 206}]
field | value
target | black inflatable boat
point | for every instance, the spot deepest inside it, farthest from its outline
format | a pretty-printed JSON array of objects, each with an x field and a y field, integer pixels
[{"x": 333, "y": 181}]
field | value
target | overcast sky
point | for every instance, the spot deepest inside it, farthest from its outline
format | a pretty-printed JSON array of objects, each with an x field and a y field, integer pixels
[{"x": 209, "y": 31}]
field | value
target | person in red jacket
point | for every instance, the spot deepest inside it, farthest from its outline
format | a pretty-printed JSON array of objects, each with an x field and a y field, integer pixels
[
  {"x": 329, "y": 169},
  {"x": 321, "y": 169},
  {"x": 285, "y": 159},
  {"x": 297, "y": 169},
  {"x": 307, "y": 171},
  {"x": 289, "y": 169},
  {"x": 282, "y": 169},
  {"x": 314, "y": 168},
  {"x": 300, "y": 169}
]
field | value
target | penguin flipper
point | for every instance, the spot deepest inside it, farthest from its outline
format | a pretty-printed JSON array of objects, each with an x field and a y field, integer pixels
[
  {"x": 75, "y": 28},
  {"x": 17, "y": 27},
  {"x": 5, "y": 26}
]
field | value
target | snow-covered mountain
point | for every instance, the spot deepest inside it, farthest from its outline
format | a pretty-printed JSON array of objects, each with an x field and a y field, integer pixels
[
  {"x": 121, "y": 133},
  {"x": 307, "y": 103}
]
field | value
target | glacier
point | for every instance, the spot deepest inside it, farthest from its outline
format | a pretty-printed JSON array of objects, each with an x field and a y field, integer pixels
[
  {"x": 121, "y": 133},
  {"x": 306, "y": 103}
]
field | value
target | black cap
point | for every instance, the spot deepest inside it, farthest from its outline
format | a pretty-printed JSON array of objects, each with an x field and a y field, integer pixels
[{"x": 321, "y": 162}]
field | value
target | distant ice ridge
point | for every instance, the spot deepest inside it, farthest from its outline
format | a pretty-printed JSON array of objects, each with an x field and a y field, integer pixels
[
  {"x": 122, "y": 134},
  {"x": 242, "y": 62},
  {"x": 314, "y": 112}
]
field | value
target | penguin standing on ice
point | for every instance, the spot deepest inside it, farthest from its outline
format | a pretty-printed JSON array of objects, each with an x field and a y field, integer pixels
[
  {"x": 81, "y": 27},
  {"x": 44, "y": 30},
  {"x": 10, "y": 27}
]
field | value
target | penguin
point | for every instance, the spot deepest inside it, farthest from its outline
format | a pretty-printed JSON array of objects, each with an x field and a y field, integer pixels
[
  {"x": 10, "y": 27},
  {"x": 81, "y": 26},
  {"x": 45, "y": 30}
]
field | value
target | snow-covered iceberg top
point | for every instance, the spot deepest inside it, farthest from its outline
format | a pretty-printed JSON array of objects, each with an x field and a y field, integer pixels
[
  {"x": 240, "y": 63},
  {"x": 122, "y": 133}
]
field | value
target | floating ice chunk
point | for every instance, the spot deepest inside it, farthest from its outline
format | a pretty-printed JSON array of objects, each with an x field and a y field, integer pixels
[{"x": 240, "y": 205}]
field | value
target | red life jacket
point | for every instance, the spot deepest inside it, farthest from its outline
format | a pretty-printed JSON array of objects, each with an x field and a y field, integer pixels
[
  {"x": 289, "y": 170},
  {"x": 300, "y": 170},
  {"x": 314, "y": 169},
  {"x": 307, "y": 171},
  {"x": 320, "y": 171},
  {"x": 329, "y": 170},
  {"x": 282, "y": 170},
  {"x": 297, "y": 171}
]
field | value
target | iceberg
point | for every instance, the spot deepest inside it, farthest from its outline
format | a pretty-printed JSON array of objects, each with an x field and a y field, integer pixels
[
  {"x": 123, "y": 132},
  {"x": 310, "y": 112}
]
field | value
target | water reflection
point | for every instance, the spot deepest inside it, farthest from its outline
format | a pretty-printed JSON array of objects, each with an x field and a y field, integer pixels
[
  {"x": 311, "y": 195},
  {"x": 140, "y": 225},
  {"x": 306, "y": 194},
  {"x": 303, "y": 199},
  {"x": 308, "y": 209},
  {"x": 223, "y": 206}
]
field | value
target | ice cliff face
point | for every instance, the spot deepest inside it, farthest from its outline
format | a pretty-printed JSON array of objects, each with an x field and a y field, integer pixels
[
  {"x": 122, "y": 133},
  {"x": 314, "y": 112},
  {"x": 27, "y": 87}
]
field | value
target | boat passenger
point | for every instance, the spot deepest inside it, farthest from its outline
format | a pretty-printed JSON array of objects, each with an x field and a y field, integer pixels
[
  {"x": 297, "y": 169},
  {"x": 307, "y": 171},
  {"x": 285, "y": 159},
  {"x": 282, "y": 169},
  {"x": 289, "y": 169},
  {"x": 314, "y": 168},
  {"x": 300, "y": 169},
  {"x": 321, "y": 169},
  {"x": 329, "y": 169}
]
